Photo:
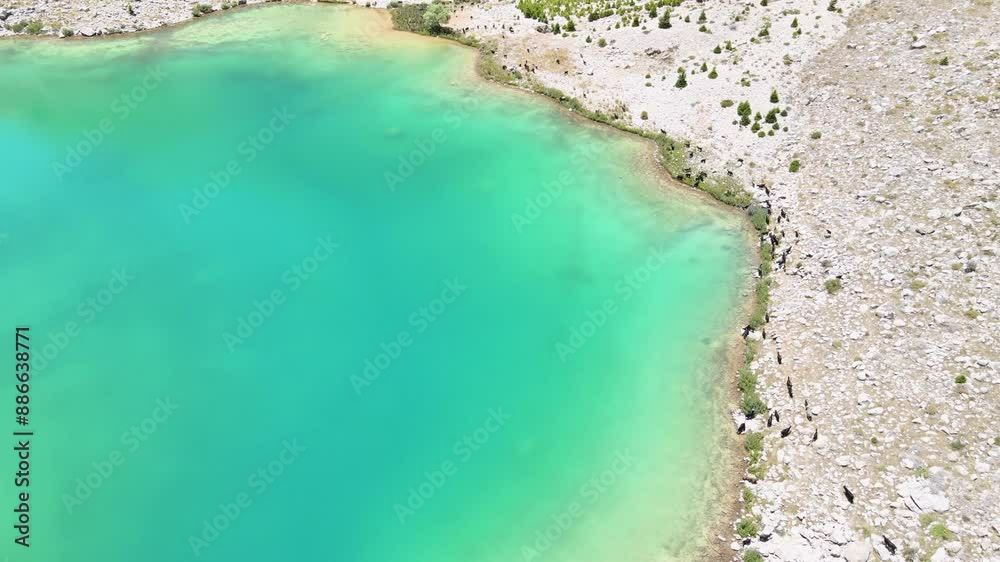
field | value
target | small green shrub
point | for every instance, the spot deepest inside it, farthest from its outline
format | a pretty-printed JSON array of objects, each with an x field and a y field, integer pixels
[
  {"x": 774, "y": 96},
  {"x": 726, "y": 103},
  {"x": 746, "y": 381},
  {"x": 602, "y": 42},
  {"x": 752, "y": 405},
  {"x": 815, "y": 135},
  {"x": 940, "y": 532},
  {"x": 33, "y": 27},
  {"x": 644, "y": 116},
  {"x": 681, "y": 80},
  {"x": 794, "y": 166},
  {"x": 748, "y": 527},
  {"x": 833, "y": 286},
  {"x": 750, "y": 554},
  {"x": 713, "y": 74},
  {"x": 960, "y": 379}
]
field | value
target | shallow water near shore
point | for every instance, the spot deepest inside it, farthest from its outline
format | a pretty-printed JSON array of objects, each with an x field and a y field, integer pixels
[{"x": 303, "y": 288}]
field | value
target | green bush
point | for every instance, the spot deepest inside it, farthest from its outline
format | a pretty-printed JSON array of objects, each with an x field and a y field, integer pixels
[
  {"x": 435, "y": 16},
  {"x": 758, "y": 218},
  {"x": 748, "y": 527},
  {"x": 717, "y": 50},
  {"x": 752, "y": 405},
  {"x": 664, "y": 22},
  {"x": 750, "y": 554},
  {"x": 681, "y": 80},
  {"x": 532, "y": 9},
  {"x": 34, "y": 27},
  {"x": 726, "y": 103},
  {"x": 940, "y": 532},
  {"x": 713, "y": 75},
  {"x": 746, "y": 381},
  {"x": 754, "y": 442},
  {"x": 961, "y": 379},
  {"x": 774, "y": 96},
  {"x": 794, "y": 166},
  {"x": 815, "y": 135},
  {"x": 644, "y": 116},
  {"x": 833, "y": 286},
  {"x": 602, "y": 42}
]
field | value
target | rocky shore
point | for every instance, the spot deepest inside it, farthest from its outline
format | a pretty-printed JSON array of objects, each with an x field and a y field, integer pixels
[
  {"x": 869, "y": 132},
  {"x": 90, "y": 18}
]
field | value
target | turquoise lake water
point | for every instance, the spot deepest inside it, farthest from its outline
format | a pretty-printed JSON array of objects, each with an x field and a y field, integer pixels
[{"x": 300, "y": 288}]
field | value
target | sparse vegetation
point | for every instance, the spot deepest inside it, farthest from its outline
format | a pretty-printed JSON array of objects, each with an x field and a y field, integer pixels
[
  {"x": 748, "y": 527},
  {"x": 435, "y": 16},
  {"x": 961, "y": 379},
  {"x": 750, "y": 554},
  {"x": 681, "y": 79},
  {"x": 752, "y": 405},
  {"x": 833, "y": 286},
  {"x": 794, "y": 166},
  {"x": 940, "y": 532}
]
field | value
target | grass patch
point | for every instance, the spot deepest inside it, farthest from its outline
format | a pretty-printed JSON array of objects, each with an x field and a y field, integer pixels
[
  {"x": 833, "y": 286},
  {"x": 754, "y": 442},
  {"x": 748, "y": 527},
  {"x": 940, "y": 532},
  {"x": 752, "y": 555}
]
